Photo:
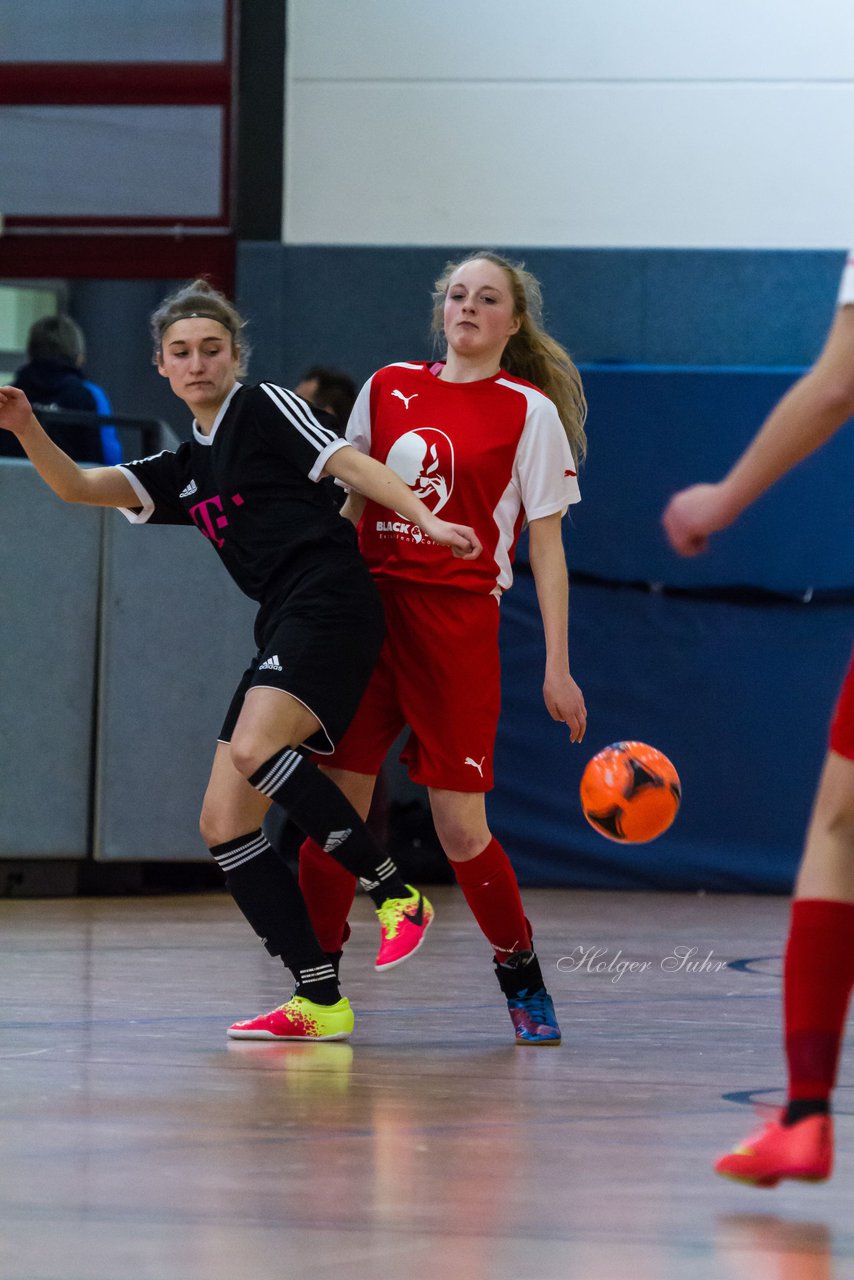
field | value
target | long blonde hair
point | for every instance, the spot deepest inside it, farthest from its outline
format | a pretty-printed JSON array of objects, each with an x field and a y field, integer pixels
[
  {"x": 530, "y": 353},
  {"x": 199, "y": 298}
]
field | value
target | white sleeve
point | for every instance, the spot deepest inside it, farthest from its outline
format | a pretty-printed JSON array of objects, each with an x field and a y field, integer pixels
[
  {"x": 359, "y": 423},
  {"x": 544, "y": 468},
  {"x": 146, "y": 502},
  {"x": 358, "y": 432},
  {"x": 846, "y": 284}
]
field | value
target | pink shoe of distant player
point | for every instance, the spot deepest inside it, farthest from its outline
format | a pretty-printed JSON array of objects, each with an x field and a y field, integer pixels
[
  {"x": 403, "y": 924},
  {"x": 299, "y": 1019},
  {"x": 803, "y": 1151}
]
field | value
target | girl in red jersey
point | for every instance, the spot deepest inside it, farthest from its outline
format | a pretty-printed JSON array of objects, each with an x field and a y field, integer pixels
[
  {"x": 248, "y": 481},
  {"x": 494, "y": 432},
  {"x": 819, "y": 967}
]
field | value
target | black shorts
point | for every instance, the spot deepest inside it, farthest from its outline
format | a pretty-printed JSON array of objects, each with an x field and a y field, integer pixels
[{"x": 319, "y": 641}]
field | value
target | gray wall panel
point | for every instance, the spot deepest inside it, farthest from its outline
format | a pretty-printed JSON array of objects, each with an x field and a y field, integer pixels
[
  {"x": 176, "y": 637},
  {"x": 48, "y": 636}
]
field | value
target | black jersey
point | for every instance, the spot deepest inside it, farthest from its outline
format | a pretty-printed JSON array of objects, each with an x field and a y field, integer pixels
[{"x": 248, "y": 486}]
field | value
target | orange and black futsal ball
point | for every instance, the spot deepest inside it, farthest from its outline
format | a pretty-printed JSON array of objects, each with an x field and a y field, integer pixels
[{"x": 630, "y": 792}]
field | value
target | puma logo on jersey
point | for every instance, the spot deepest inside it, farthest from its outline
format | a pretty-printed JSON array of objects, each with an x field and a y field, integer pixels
[
  {"x": 189, "y": 491},
  {"x": 474, "y": 764},
  {"x": 404, "y": 398},
  {"x": 569, "y": 472}
]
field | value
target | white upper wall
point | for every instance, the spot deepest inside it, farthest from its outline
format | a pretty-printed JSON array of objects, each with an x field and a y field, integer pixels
[{"x": 585, "y": 123}]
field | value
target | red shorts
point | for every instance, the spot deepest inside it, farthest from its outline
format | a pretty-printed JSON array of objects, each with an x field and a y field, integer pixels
[
  {"x": 439, "y": 673},
  {"x": 842, "y": 725}
]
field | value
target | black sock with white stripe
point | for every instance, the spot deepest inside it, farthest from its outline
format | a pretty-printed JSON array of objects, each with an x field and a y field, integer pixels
[
  {"x": 267, "y": 893},
  {"x": 323, "y": 812}
]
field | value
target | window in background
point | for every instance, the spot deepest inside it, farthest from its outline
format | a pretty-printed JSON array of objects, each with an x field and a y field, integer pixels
[
  {"x": 116, "y": 138},
  {"x": 112, "y": 162},
  {"x": 110, "y": 31}
]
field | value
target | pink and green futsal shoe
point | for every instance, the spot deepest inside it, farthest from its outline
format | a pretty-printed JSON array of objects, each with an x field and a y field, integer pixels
[{"x": 299, "y": 1019}]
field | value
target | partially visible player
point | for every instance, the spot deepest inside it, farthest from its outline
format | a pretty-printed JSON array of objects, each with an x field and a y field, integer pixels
[
  {"x": 819, "y": 967},
  {"x": 248, "y": 481},
  {"x": 492, "y": 434}
]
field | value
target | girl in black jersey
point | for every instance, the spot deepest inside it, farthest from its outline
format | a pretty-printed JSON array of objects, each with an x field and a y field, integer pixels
[{"x": 246, "y": 480}]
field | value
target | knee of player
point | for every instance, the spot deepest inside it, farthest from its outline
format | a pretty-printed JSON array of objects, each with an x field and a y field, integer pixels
[
  {"x": 834, "y": 806},
  {"x": 460, "y": 841},
  {"x": 247, "y": 754},
  {"x": 838, "y": 821},
  {"x": 212, "y": 825}
]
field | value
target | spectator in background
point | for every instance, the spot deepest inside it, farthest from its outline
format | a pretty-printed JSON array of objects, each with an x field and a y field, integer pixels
[
  {"x": 53, "y": 378},
  {"x": 110, "y": 443},
  {"x": 329, "y": 389},
  {"x": 334, "y": 392}
]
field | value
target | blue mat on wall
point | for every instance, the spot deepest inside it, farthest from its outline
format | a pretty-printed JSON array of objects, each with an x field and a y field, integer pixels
[
  {"x": 654, "y": 429},
  {"x": 739, "y": 696}
]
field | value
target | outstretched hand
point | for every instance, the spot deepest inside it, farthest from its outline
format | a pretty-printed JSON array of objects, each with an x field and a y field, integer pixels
[
  {"x": 692, "y": 515},
  {"x": 15, "y": 410},
  {"x": 462, "y": 540}
]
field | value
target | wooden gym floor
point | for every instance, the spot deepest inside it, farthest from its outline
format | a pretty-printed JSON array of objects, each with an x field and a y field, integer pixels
[{"x": 137, "y": 1143}]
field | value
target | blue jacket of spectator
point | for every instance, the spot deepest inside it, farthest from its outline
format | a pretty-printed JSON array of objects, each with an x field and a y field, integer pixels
[
  {"x": 55, "y": 384},
  {"x": 110, "y": 443}
]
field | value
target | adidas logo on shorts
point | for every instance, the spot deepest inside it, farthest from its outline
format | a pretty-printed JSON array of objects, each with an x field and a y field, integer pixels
[{"x": 271, "y": 664}]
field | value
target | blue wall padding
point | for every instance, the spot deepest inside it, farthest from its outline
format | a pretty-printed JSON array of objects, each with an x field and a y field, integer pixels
[
  {"x": 656, "y": 306},
  {"x": 653, "y": 430},
  {"x": 738, "y": 696}
]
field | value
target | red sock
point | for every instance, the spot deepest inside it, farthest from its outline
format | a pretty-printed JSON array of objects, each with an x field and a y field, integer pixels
[
  {"x": 818, "y": 977},
  {"x": 489, "y": 887},
  {"x": 329, "y": 891}
]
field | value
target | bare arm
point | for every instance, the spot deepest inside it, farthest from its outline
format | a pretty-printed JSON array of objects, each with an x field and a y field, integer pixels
[
  {"x": 374, "y": 480},
  {"x": 353, "y": 507},
  {"x": 96, "y": 486},
  {"x": 563, "y": 698},
  {"x": 804, "y": 419}
]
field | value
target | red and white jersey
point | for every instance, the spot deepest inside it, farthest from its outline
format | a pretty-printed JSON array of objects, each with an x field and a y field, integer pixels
[
  {"x": 846, "y": 284},
  {"x": 490, "y": 454}
]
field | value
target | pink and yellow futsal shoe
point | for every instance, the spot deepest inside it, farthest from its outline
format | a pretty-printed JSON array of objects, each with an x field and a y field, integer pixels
[
  {"x": 803, "y": 1151},
  {"x": 403, "y": 924},
  {"x": 299, "y": 1019}
]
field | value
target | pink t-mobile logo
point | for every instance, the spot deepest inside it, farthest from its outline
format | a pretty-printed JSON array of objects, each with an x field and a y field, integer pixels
[{"x": 206, "y": 518}]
